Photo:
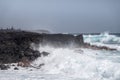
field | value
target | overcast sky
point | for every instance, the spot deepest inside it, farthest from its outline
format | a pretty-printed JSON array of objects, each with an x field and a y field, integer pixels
[{"x": 61, "y": 15}]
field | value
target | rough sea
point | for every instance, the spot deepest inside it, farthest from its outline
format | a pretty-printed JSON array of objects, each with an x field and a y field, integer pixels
[{"x": 74, "y": 63}]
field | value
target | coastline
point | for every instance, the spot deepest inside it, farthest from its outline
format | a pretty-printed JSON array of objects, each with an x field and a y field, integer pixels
[{"x": 15, "y": 45}]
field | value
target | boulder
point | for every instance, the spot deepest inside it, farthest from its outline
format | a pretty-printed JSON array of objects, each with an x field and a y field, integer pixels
[
  {"x": 24, "y": 62},
  {"x": 45, "y": 53},
  {"x": 16, "y": 68},
  {"x": 4, "y": 67}
]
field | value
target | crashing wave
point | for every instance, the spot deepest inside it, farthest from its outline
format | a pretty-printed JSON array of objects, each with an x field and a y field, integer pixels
[
  {"x": 84, "y": 64},
  {"x": 105, "y": 38}
]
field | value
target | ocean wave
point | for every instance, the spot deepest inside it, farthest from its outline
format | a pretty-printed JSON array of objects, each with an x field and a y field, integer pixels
[
  {"x": 105, "y": 38},
  {"x": 80, "y": 63},
  {"x": 69, "y": 64}
]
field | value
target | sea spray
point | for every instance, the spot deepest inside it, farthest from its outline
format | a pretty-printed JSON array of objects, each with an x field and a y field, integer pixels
[
  {"x": 84, "y": 64},
  {"x": 70, "y": 64},
  {"x": 103, "y": 39}
]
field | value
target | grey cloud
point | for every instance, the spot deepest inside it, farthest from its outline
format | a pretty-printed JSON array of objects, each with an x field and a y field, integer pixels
[{"x": 61, "y": 15}]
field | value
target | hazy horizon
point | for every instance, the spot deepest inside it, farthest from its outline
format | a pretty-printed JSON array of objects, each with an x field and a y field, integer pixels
[{"x": 66, "y": 16}]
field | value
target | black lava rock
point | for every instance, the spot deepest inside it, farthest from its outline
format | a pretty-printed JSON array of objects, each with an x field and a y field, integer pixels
[
  {"x": 62, "y": 40},
  {"x": 16, "y": 44},
  {"x": 4, "y": 67},
  {"x": 45, "y": 53},
  {"x": 16, "y": 68}
]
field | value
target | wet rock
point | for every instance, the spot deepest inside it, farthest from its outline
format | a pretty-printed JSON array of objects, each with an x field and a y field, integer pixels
[
  {"x": 38, "y": 67},
  {"x": 12, "y": 65},
  {"x": 4, "y": 67},
  {"x": 45, "y": 53},
  {"x": 24, "y": 62},
  {"x": 16, "y": 44},
  {"x": 79, "y": 40},
  {"x": 62, "y": 40},
  {"x": 20, "y": 64},
  {"x": 41, "y": 65},
  {"x": 36, "y": 53},
  {"x": 16, "y": 68}
]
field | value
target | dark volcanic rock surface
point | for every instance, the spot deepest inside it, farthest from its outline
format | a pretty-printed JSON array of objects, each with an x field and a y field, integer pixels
[
  {"x": 45, "y": 53},
  {"x": 61, "y": 40},
  {"x": 16, "y": 44},
  {"x": 4, "y": 67},
  {"x": 16, "y": 68}
]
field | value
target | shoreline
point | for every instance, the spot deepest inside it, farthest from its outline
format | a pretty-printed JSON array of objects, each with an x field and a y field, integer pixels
[{"x": 15, "y": 45}]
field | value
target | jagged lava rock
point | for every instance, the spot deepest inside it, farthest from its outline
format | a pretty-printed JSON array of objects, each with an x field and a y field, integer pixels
[
  {"x": 16, "y": 44},
  {"x": 4, "y": 67}
]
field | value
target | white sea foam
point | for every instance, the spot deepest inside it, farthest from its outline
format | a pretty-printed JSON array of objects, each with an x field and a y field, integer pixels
[
  {"x": 104, "y": 39},
  {"x": 70, "y": 64},
  {"x": 80, "y": 63}
]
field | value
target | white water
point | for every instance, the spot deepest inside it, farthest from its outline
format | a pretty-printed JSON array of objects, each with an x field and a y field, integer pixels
[
  {"x": 86, "y": 64},
  {"x": 70, "y": 64},
  {"x": 104, "y": 39}
]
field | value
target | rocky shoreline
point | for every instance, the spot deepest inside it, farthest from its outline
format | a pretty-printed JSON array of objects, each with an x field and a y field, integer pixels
[{"x": 15, "y": 45}]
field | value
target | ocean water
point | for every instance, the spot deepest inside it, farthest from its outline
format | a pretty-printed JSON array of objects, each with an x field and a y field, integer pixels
[
  {"x": 104, "y": 39},
  {"x": 73, "y": 63}
]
